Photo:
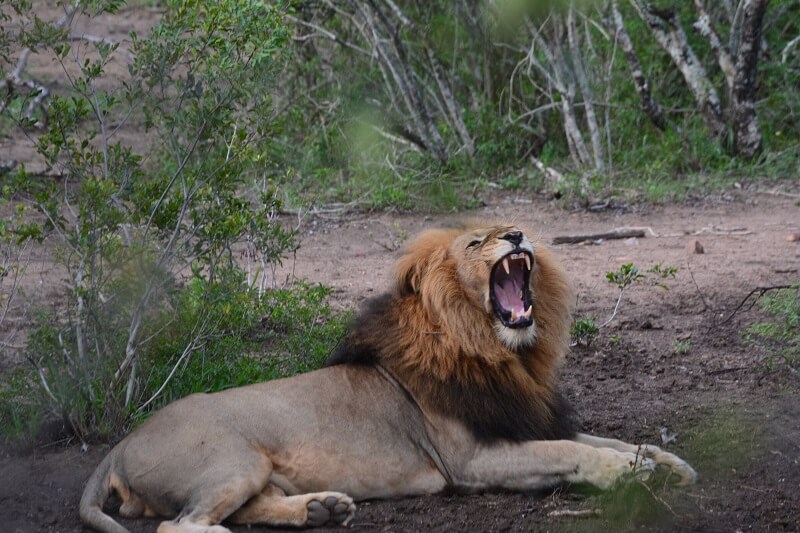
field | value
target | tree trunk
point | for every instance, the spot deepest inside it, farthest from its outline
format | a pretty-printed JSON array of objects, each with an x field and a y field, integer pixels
[
  {"x": 651, "y": 108},
  {"x": 746, "y": 135}
]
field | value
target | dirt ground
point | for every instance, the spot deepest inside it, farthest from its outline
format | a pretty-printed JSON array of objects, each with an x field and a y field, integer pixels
[
  {"x": 668, "y": 360},
  {"x": 669, "y": 363}
]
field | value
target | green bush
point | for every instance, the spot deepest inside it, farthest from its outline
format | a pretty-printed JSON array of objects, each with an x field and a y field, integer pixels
[
  {"x": 781, "y": 335},
  {"x": 584, "y": 331},
  {"x": 282, "y": 333},
  {"x": 254, "y": 338}
]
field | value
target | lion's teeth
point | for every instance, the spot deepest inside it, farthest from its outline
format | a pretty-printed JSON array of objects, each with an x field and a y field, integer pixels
[
  {"x": 528, "y": 261},
  {"x": 527, "y": 313},
  {"x": 505, "y": 265},
  {"x": 514, "y": 315}
]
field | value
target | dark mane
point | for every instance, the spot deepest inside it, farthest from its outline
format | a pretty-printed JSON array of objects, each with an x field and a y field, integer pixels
[{"x": 492, "y": 408}]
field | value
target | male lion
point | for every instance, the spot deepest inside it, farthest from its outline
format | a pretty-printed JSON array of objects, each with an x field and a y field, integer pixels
[{"x": 446, "y": 381}]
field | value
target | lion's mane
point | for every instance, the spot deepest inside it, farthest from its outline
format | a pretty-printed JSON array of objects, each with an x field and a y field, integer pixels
[{"x": 443, "y": 348}]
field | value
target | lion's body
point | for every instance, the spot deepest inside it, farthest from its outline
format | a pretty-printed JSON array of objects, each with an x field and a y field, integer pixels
[{"x": 429, "y": 390}]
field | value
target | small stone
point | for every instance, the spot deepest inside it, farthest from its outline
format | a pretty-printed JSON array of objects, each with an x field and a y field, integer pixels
[
  {"x": 793, "y": 237},
  {"x": 694, "y": 247}
]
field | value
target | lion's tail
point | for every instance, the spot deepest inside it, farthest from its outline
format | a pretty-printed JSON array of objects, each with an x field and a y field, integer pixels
[{"x": 95, "y": 495}]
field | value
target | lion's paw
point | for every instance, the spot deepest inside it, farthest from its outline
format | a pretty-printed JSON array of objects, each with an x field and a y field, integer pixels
[
  {"x": 679, "y": 470},
  {"x": 608, "y": 466},
  {"x": 330, "y": 508}
]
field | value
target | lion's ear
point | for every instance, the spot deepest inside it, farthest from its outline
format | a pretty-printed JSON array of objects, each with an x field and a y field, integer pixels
[
  {"x": 424, "y": 254},
  {"x": 408, "y": 274}
]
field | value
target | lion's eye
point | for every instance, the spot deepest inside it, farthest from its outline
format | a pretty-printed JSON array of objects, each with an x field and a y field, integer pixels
[{"x": 473, "y": 244}]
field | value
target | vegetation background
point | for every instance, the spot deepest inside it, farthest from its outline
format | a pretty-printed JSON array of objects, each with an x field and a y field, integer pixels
[{"x": 252, "y": 110}]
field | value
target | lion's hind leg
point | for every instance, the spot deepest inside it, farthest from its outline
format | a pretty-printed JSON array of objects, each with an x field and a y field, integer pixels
[
  {"x": 272, "y": 507},
  {"x": 224, "y": 487}
]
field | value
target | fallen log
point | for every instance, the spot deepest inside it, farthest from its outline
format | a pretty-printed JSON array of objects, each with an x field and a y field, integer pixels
[{"x": 616, "y": 234}]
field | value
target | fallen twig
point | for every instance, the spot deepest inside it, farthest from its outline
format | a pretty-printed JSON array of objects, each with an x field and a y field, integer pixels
[
  {"x": 615, "y": 234},
  {"x": 722, "y": 231},
  {"x": 776, "y": 192},
  {"x": 725, "y": 370},
  {"x": 580, "y": 513}
]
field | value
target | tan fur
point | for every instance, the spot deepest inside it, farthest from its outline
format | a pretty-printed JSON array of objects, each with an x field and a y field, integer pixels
[{"x": 430, "y": 389}]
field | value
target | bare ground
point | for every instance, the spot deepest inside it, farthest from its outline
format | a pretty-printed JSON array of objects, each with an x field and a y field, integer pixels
[{"x": 668, "y": 360}]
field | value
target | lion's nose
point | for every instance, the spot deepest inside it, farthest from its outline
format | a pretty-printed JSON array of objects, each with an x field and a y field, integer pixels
[{"x": 514, "y": 237}]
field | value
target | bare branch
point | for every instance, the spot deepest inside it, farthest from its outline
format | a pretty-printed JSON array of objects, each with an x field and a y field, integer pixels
[
  {"x": 555, "y": 73},
  {"x": 706, "y": 28},
  {"x": 324, "y": 33},
  {"x": 651, "y": 108},
  {"x": 450, "y": 102},
  {"x": 586, "y": 93},
  {"x": 669, "y": 34}
]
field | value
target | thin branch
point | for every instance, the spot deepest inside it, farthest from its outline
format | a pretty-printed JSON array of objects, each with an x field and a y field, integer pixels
[
  {"x": 326, "y": 34},
  {"x": 760, "y": 291},
  {"x": 191, "y": 347},
  {"x": 696, "y": 286}
]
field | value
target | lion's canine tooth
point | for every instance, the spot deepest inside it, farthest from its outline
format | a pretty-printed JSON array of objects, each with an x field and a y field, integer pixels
[
  {"x": 528, "y": 261},
  {"x": 514, "y": 315},
  {"x": 505, "y": 265},
  {"x": 527, "y": 313}
]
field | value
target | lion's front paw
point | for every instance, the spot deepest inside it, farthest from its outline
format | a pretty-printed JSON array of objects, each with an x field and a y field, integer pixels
[
  {"x": 330, "y": 508},
  {"x": 606, "y": 466},
  {"x": 680, "y": 472}
]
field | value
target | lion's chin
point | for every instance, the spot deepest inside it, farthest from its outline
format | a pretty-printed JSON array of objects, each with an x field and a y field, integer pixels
[{"x": 516, "y": 338}]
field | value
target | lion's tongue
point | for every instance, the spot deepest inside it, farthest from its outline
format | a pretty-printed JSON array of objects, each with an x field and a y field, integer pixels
[{"x": 507, "y": 294}]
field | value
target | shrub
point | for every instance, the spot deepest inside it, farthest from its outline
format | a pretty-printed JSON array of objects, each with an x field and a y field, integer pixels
[{"x": 152, "y": 236}]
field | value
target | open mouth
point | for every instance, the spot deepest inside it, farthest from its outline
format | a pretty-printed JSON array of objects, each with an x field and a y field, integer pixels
[{"x": 510, "y": 292}]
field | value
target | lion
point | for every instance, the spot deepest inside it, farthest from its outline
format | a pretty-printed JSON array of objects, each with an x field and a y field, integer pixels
[{"x": 448, "y": 381}]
